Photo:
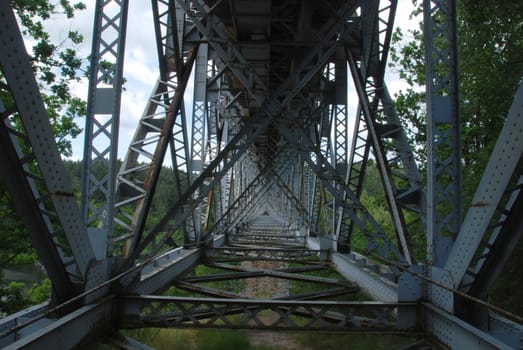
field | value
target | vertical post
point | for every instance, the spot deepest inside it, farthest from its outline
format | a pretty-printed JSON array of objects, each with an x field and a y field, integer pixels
[
  {"x": 443, "y": 132},
  {"x": 102, "y": 121},
  {"x": 341, "y": 140},
  {"x": 199, "y": 124}
]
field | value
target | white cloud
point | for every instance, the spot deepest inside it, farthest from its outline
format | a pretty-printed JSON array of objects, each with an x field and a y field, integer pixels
[{"x": 403, "y": 14}]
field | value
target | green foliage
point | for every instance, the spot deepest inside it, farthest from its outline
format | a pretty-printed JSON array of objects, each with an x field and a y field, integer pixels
[
  {"x": 56, "y": 65},
  {"x": 490, "y": 66},
  {"x": 16, "y": 247},
  {"x": 15, "y": 296},
  {"x": 216, "y": 340},
  {"x": 510, "y": 280},
  {"x": 40, "y": 292},
  {"x": 194, "y": 340},
  {"x": 12, "y": 298},
  {"x": 164, "y": 338},
  {"x": 223, "y": 340},
  {"x": 166, "y": 192},
  {"x": 318, "y": 341}
]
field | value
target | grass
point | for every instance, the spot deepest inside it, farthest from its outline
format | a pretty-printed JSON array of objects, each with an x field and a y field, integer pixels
[
  {"x": 319, "y": 341},
  {"x": 194, "y": 339}
]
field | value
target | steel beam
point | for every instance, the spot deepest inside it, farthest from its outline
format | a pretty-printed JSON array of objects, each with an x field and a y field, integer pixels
[
  {"x": 162, "y": 124},
  {"x": 199, "y": 125},
  {"x": 215, "y": 33},
  {"x": 379, "y": 153},
  {"x": 500, "y": 168},
  {"x": 443, "y": 131},
  {"x": 508, "y": 232},
  {"x": 367, "y": 278},
  {"x": 156, "y": 311},
  {"x": 72, "y": 329},
  {"x": 455, "y": 333},
  {"x": 377, "y": 240},
  {"x": 163, "y": 270},
  {"x": 102, "y": 121},
  {"x": 17, "y": 319}
]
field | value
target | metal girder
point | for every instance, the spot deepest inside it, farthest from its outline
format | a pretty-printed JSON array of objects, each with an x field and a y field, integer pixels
[
  {"x": 156, "y": 311},
  {"x": 367, "y": 277},
  {"x": 185, "y": 206},
  {"x": 163, "y": 124},
  {"x": 356, "y": 169},
  {"x": 355, "y": 209},
  {"x": 249, "y": 132},
  {"x": 322, "y": 137},
  {"x": 291, "y": 196},
  {"x": 260, "y": 186},
  {"x": 72, "y": 329},
  {"x": 215, "y": 33},
  {"x": 15, "y": 320},
  {"x": 340, "y": 111},
  {"x": 199, "y": 124},
  {"x": 402, "y": 163},
  {"x": 253, "y": 272},
  {"x": 102, "y": 121},
  {"x": 500, "y": 168},
  {"x": 139, "y": 165},
  {"x": 209, "y": 291},
  {"x": 238, "y": 210},
  {"x": 264, "y": 236},
  {"x": 501, "y": 244},
  {"x": 269, "y": 253},
  {"x": 172, "y": 32},
  {"x": 377, "y": 25},
  {"x": 456, "y": 333},
  {"x": 341, "y": 135},
  {"x": 58, "y": 209},
  {"x": 243, "y": 138},
  {"x": 337, "y": 287},
  {"x": 389, "y": 188},
  {"x": 443, "y": 131},
  {"x": 163, "y": 270},
  {"x": 377, "y": 124},
  {"x": 161, "y": 144}
]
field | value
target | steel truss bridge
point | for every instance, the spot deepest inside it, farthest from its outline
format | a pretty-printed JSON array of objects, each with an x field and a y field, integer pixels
[{"x": 266, "y": 168}]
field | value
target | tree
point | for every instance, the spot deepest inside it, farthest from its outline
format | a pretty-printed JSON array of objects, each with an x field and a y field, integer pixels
[{"x": 490, "y": 66}]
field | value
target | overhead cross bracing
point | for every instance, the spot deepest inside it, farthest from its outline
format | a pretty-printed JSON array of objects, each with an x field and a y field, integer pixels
[{"x": 267, "y": 169}]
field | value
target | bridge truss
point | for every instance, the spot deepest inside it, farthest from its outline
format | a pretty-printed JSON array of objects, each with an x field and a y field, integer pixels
[{"x": 268, "y": 166}]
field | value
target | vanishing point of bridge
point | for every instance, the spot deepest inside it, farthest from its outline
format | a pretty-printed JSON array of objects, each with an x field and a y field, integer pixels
[{"x": 266, "y": 167}]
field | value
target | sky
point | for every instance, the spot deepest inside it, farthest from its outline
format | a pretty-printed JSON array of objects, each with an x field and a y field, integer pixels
[{"x": 140, "y": 63}]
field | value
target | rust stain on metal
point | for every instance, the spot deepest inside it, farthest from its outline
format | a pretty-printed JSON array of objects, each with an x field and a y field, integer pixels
[{"x": 479, "y": 205}]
